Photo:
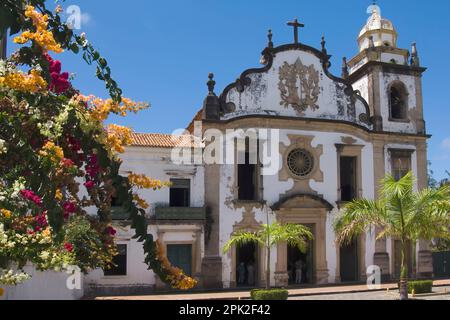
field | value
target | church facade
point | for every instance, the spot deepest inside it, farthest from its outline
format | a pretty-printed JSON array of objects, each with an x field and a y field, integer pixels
[{"x": 336, "y": 137}]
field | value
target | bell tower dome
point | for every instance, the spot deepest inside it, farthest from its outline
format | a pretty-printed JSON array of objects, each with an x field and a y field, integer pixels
[
  {"x": 377, "y": 32},
  {"x": 388, "y": 77}
]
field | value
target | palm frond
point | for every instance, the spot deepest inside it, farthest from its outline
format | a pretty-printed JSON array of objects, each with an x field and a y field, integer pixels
[
  {"x": 358, "y": 217},
  {"x": 399, "y": 189},
  {"x": 242, "y": 238},
  {"x": 296, "y": 235}
]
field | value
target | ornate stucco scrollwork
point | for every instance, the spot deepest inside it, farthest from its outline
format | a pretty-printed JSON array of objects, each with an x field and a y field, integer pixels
[{"x": 306, "y": 94}]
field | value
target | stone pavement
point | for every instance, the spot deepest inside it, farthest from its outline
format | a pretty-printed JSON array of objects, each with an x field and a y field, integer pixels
[
  {"x": 439, "y": 293},
  {"x": 316, "y": 293}
]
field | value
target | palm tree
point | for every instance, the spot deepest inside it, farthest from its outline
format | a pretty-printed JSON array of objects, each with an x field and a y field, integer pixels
[
  {"x": 400, "y": 213},
  {"x": 270, "y": 235}
]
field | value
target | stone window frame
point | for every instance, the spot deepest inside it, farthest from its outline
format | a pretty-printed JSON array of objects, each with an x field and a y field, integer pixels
[
  {"x": 259, "y": 178},
  {"x": 196, "y": 242},
  {"x": 122, "y": 276},
  {"x": 347, "y": 150},
  {"x": 404, "y": 153},
  {"x": 401, "y": 86}
]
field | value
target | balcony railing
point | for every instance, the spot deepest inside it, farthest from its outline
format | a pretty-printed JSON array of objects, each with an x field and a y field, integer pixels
[
  {"x": 180, "y": 213},
  {"x": 119, "y": 213}
]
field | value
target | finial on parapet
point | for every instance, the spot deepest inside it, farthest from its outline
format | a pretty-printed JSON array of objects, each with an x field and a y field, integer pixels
[
  {"x": 211, "y": 84},
  {"x": 269, "y": 37},
  {"x": 415, "y": 60},
  {"x": 323, "y": 43},
  {"x": 344, "y": 68},
  {"x": 211, "y": 104}
]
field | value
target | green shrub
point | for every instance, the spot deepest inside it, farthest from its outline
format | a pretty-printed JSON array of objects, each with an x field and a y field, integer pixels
[
  {"x": 270, "y": 294},
  {"x": 423, "y": 286}
]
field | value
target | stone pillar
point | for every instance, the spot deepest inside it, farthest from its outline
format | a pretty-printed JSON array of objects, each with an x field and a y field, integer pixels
[
  {"x": 281, "y": 274},
  {"x": 374, "y": 98},
  {"x": 420, "y": 122},
  {"x": 424, "y": 261},
  {"x": 380, "y": 257},
  {"x": 212, "y": 261},
  {"x": 321, "y": 251},
  {"x": 424, "y": 264}
]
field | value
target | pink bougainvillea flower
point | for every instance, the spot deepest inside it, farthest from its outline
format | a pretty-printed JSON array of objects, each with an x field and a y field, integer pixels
[
  {"x": 41, "y": 220},
  {"x": 68, "y": 246},
  {"x": 92, "y": 168},
  {"x": 31, "y": 196},
  {"x": 69, "y": 208},
  {"x": 67, "y": 163},
  {"x": 59, "y": 81},
  {"x": 89, "y": 184},
  {"x": 111, "y": 231}
]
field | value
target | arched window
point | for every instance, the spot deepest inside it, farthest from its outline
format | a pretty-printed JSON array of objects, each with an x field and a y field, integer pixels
[{"x": 398, "y": 101}]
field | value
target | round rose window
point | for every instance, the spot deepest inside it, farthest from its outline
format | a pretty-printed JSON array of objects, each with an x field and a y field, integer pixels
[{"x": 300, "y": 162}]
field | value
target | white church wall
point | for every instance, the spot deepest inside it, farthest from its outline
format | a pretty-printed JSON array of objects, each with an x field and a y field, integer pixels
[
  {"x": 273, "y": 188},
  {"x": 362, "y": 85},
  {"x": 394, "y": 126},
  {"x": 155, "y": 163},
  {"x": 388, "y": 57},
  {"x": 263, "y": 97}
]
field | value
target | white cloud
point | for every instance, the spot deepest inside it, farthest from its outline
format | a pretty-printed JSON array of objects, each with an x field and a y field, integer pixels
[
  {"x": 85, "y": 18},
  {"x": 446, "y": 143}
]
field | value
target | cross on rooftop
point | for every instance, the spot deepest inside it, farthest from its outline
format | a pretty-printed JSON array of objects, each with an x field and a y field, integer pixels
[{"x": 295, "y": 24}]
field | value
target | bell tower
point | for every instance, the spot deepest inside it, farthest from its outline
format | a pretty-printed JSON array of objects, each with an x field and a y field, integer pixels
[{"x": 388, "y": 77}]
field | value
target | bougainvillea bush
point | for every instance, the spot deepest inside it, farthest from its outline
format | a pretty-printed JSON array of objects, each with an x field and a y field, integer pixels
[{"x": 58, "y": 160}]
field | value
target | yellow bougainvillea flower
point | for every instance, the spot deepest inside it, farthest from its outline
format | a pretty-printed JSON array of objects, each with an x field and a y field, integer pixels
[
  {"x": 175, "y": 276},
  {"x": 58, "y": 195},
  {"x": 143, "y": 182},
  {"x": 140, "y": 202},
  {"x": 47, "y": 233},
  {"x": 19, "y": 81},
  {"x": 118, "y": 137},
  {"x": 52, "y": 151},
  {"x": 42, "y": 36},
  {"x": 100, "y": 109},
  {"x": 6, "y": 213}
]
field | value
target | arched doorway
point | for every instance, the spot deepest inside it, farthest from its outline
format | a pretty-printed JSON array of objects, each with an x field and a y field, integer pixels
[
  {"x": 309, "y": 210},
  {"x": 247, "y": 264},
  {"x": 300, "y": 265}
]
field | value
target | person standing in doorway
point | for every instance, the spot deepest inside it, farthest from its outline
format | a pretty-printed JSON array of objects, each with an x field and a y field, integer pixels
[
  {"x": 250, "y": 274},
  {"x": 298, "y": 271},
  {"x": 241, "y": 273}
]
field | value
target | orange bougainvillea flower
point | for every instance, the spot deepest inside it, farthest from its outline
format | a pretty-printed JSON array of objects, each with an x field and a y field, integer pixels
[
  {"x": 42, "y": 36},
  {"x": 20, "y": 81},
  {"x": 175, "y": 276},
  {"x": 100, "y": 109},
  {"x": 118, "y": 137},
  {"x": 141, "y": 181}
]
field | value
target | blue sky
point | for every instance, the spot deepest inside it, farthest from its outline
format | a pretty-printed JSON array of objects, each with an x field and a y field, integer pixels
[{"x": 162, "y": 51}]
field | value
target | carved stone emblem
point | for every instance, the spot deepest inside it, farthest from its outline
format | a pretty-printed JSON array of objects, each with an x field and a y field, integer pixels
[{"x": 299, "y": 86}]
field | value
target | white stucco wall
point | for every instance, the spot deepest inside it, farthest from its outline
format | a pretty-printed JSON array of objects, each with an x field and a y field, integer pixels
[
  {"x": 155, "y": 163},
  {"x": 273, "y": 188},
  {"x": 49, "y": 285},
  {"x": 262, "y": 96},
  {"x": 385, "y": 80}
]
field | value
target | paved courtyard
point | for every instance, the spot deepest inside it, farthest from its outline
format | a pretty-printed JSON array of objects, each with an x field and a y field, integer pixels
[
  {"x": 439, "y": 293},
  {"x": 347, "y": 292}
]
